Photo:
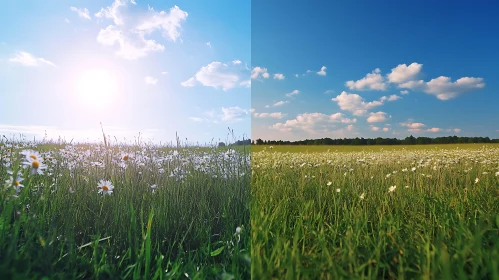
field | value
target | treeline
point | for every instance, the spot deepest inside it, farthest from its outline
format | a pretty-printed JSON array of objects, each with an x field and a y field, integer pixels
[{"x": 410, "y": 140}]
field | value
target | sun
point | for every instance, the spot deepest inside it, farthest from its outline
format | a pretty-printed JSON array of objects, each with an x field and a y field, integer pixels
[{"x": 96, "y": 87}]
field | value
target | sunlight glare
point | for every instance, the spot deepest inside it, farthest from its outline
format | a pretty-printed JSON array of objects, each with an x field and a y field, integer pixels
[{"x": 96, "y": 87}]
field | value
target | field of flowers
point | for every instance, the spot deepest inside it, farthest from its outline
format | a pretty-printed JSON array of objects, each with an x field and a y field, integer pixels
[
  {"x": 425, "y": 213},
  {"x": 123, "y": 212}
]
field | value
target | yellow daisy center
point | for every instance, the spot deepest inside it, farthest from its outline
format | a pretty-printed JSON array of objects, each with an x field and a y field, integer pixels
[
  {"x": 33, "y": 157},
  {"x": 105, "y": 188},
  {"x": 16, "y": 183},
  {"x": 125, "y": 158},
  {"x": 35, "y": 164}
]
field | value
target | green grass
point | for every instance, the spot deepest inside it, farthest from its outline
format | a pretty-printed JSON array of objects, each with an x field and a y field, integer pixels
[
  {"x": 443, "y": 226},
  {"x": 352, "y": 148},
  {"x": 59, "y": 227}
]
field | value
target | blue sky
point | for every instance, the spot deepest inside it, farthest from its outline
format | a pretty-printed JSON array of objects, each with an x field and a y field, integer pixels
[
  {"x": 392, "y": 69},
  {"x": 154, "y": 67}
]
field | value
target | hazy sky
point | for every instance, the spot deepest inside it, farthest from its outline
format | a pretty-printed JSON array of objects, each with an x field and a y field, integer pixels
[
  {"x": 154, "y": 67},
  {"x": 374, "y": 69}
]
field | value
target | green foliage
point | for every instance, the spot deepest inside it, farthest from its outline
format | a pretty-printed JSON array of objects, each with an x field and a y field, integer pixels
[
  {"x": 332, "y": 216},
  {"x": 59, "y": 227}
]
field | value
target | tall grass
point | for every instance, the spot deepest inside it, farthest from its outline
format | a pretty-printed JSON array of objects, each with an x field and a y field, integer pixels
[
  {"x": 173, "y": 213},
  {"x": 332, "y": 216}
]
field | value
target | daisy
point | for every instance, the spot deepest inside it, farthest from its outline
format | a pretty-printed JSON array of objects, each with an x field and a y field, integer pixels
[
  {"x": 36, "y": 165},
  {"x": 392, "y": 188},
  {"x": 30, "y": 154},
  {"x": 105, "y": 187},
  {"x": 362, "y": 196}
]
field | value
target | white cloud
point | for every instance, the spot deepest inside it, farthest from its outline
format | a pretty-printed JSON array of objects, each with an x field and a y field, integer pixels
[
  {"x": 164, "y": 73},
  {"x": 168, "y": 23},
  {"x": 329, "y": 91},
  {"x": 372, "y": 81},
  {"x": 196, "y": 119},
  {"x": 296, "y": 75},
  {"x": 404, "y": 92},
  {"x": 403, "y": 73},
  {"x": 294, "y": 92},
  {"x": 276, "y": 115},
  {"x": 279, "y": 76},
  {"x": 434, "y": 129},
  {"x": 259, "y": 71},
  {"x": 355, "y": 103},
  {"x": 112, "y": 12},
  {"x": 189, "y": 83},
  {"x": 208, "y": 44},
  {"x": 457, "y": 130},
  {"x": 414, "y": 85},
  {"x": 233, "y": 114},
  {"x": 150, "y": 80},
  {"x": 280, "y": 103},
  {"x": 128, "y": 48},
  {"x": 322, "y": 72},
  {"x": 374, "y": 128},
  {"x": 221, "y": 75},
  {"x": 28, "y": 59},
  {"x": 66, "y": 20},
  {"x": 376, "y": 117},
  {"x": 130, "y": 37},
  {"x": 412, "y": 126},
  {"x": 444, "y": 89},
  {"x": 392, "y": 97},
  {"x": 386, "y": 129},
  {"x": 313, "y": 122},
  {"x": 267, "y": 106},
  {"x": 83, "y": 13}
]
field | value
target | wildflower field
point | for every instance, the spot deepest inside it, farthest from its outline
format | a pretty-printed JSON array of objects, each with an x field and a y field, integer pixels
[
  {"x": 420, "y": 212},
  {"x": 95, "y": 211}
]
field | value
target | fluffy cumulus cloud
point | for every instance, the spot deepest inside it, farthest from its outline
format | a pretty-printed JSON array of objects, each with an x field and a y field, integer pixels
[
  {"x": 444, "y": 89},
  {"x": 27, "y": 59},
  {"x": 404, "y": 91},
  {"x": 280, "y": 103},
  {"x": 390, "y": 98},
  {"x": 313, "y": 123},
  {"x": 405, "y": 76},
  {"x": 372, "y": 81},
  {"x": 413, "y": 126},
  {"x": 221, "y": 75},
  {"x": 294, "y": 92},
  {"x": 83, "y": 13},
  {"x": 403, "y": 73},
  {"x": 376, "y": 117},
  {"x": 275, "y": 115},
  {"x": 259, "y": 71},
  {"x": 129, "y": 32},
  {"x": 386, "y": 129},
  {"x": 434, "y": 129},
  {"x": 322, "y": 72},
  {"x": 355, "y": 103},
  {"x": 278, "y": 76}
]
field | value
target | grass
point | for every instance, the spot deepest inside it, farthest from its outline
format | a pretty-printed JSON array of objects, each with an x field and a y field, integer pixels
[
  {"x": 352, "y": 148},
  {"x": 331, "y": 215},
  {"x": 59, "y": 227}
]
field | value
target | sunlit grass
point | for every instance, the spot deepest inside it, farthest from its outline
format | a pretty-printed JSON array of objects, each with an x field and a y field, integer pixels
[
  {"x": 173, "y": 213},
  {"x": 401, "y": 214}
]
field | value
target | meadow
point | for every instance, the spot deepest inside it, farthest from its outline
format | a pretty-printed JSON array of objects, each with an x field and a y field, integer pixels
[
  {"x": 415, "y": 212},
  {"x": 115, "y": 211}
]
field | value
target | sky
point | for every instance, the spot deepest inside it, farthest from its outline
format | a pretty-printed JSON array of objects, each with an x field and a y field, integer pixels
[
  {"x": 150, "y": 69},
  {"x": 374, "y": 69}
]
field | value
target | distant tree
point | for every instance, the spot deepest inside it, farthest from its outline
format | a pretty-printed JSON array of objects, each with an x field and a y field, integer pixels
[{"x": 221, "y": 144}]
